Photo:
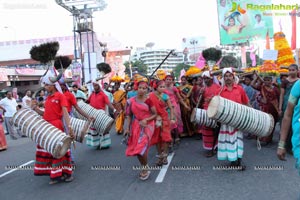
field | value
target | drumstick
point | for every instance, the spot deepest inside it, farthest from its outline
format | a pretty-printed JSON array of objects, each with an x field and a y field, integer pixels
[{"x": 200, "y": 97}]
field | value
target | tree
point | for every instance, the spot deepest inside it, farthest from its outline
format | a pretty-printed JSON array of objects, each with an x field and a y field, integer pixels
[
  {"x": 259, "y": 61},
  {"x": 136, "y": 65},
  {"x": 179, "y": 67}
]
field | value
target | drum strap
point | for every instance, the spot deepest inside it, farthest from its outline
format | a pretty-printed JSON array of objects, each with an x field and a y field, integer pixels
[{"x": 258, "y": 144}]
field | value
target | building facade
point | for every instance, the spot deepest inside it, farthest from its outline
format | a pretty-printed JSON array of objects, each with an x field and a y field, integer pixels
[{"x": 153, "y": 58}]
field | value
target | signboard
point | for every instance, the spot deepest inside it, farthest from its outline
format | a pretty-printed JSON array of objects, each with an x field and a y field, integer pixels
[
  {"x": 192, "y": 47},
  {"x": 270, "y": 54},
  {"x": 3, "y": 75},
  {"x": 244, "y": 20}
]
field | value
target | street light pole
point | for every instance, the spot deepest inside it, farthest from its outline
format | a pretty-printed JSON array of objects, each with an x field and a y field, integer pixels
[{"x": 130, "y": 64}]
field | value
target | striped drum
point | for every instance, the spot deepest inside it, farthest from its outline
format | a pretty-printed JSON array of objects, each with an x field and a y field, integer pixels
[
  {"x": 240, "y": 116},
  {"x": 43, "y": 133},
  {"x": 200, "y": 117},
  {"x": 80, "y": 128},
  {"x": 102, "y": 122}
]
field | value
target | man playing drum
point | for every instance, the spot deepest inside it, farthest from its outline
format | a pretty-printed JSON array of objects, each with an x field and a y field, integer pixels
[
  {"x": 55, "y": 109},
  {"x": 98, "y": 100},
  {"x": 230, "y": 141},
  {"x": 211, "y": 89}
]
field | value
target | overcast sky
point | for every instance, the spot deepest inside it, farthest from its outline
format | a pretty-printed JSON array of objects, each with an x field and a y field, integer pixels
[{"x": 132, "y": 22}]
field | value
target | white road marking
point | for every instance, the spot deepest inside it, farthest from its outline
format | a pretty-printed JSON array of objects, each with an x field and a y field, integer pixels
[
  {"x": 16, "y": 168},
  {"x": 163, "y": 171}
]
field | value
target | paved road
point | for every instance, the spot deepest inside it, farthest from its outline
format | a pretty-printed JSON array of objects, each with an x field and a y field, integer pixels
[{"x": 203, "y": 182}]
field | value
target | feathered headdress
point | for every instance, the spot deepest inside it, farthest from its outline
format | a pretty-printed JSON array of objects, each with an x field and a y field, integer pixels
[{"x": 103, "y": 68}]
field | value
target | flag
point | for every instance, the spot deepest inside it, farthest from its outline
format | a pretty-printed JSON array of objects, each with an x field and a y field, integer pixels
[
  {"x": 267, "y": 40},
  {"x": 294, "y": 30}
]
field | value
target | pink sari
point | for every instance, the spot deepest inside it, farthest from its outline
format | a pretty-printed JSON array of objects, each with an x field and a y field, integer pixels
[
  {"x": 3, "y": 144},
  {"x": 177, "y": 112},
  {"x": 140, "y": 137}
]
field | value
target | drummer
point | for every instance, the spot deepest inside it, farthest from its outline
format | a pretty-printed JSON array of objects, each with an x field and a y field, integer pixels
[
  {"x": 98, "y": 100},
  {"x": 71, "y": 102},
  {"x": 55, "y": 109},
  {"x": 211, "y": 89},
  {"x": 230, "y": 140}
]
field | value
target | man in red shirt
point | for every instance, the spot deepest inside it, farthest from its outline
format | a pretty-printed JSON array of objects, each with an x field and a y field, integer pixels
[
  {"x": 71, "y": 102},
  {"x": 230, "y": 140},
  {"x": 98, "y": 100}
]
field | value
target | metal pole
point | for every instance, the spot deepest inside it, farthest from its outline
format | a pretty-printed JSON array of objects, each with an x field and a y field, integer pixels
[
  {"x": 82, "y": 65},
  {"x": 74, "y": 31},
  {"x": 89, "y": 58},
  {"x": 92, "y": 35}
]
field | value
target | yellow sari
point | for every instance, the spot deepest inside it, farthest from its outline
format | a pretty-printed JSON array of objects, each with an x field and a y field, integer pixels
[{"x": 119, "y": 104}]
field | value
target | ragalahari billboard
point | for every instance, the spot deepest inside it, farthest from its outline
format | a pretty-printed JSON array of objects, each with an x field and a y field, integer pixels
[{"x": 245, "y": 20}]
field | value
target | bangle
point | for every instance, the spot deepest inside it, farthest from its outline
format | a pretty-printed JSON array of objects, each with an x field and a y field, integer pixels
[{"x": 281, "y": 144}]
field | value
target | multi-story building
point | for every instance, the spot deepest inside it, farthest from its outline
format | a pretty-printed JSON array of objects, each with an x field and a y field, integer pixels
[{"x": 153, "y": 58}]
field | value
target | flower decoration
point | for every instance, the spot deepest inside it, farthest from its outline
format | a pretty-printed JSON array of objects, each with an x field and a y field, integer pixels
[
  {"x": 117, "y": 78},
  {"x": 192, "y": 71}
]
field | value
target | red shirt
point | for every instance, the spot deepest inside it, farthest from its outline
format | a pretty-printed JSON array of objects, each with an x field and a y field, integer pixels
[
  {"x": 237, "y": 94},
  {"x": 209, "y": 93},
  {"x": 53, "y": 107},
  {"x": 99, "y": 100},
  {"x": 71, "y": 100}
]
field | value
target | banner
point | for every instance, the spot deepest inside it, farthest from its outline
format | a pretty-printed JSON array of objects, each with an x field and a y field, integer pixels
[
  {"x": 244, "y": 20},
  {"x": 192, "y": 47},
  {"x": 3, "y": 75}
]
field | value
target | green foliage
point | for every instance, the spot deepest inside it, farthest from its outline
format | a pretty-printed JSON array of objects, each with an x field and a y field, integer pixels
[
  {"x": 137, "y": 65},
  {"x": 179, "y": 67}
]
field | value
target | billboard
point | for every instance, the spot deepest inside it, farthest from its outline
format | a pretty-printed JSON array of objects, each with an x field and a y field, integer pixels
[
  {"x": 192, "y": 47},
  {"x": 243, "y": 20}
]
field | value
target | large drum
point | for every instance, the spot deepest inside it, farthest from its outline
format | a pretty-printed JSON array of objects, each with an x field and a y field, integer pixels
[
  {"x": 102, "y": 122},
  {"x": 80, "y": 128},
  {"x": 240, "y": 116},
  {"x": 43, "y": 133},
  {"x": 200, "y": 117}
]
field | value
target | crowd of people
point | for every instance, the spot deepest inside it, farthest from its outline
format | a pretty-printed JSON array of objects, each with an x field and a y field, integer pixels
[{"x": 157, "y": 113}]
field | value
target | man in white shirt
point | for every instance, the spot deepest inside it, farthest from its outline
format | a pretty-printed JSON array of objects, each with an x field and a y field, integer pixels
[
  {"x": 9, "y": 107},
  {"x": 78, "y": 93},
  {"x": 26, "y": 100}
]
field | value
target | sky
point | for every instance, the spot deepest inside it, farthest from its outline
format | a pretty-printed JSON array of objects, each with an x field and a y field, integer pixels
[{"x": 132, "y": 22}]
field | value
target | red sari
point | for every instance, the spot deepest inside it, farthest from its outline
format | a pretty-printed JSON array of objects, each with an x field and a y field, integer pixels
[
  {"x": 140, "y": 137},
  {"x": 163, "y": 132},
  {"x": 207, "y": 132},
  {"x": 271, "y": 106},
  {"x": 45, "y": 163},
  {"x": 3, "y": 144}
]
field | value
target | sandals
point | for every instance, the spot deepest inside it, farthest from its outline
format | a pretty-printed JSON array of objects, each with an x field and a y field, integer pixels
[
  {"x": 159, "y": 162},
  {"x": 144, "y": 175},
  {"x": 52, "y": 182},
  {"x": 69, "y": 179},
  {"x": 164, "y": 159}
]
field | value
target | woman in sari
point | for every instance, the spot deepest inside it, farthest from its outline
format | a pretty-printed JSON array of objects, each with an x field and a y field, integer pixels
[
  {"x": 291, "y": 119},
  {"x": 175, "y": 99},
  {"x": 196, "y": 92},
  {"x": 162, "y": 133},
  {"x": 285, "y": 90},
  {"x": 269, "y": 102},
  {"x": 140, "y": 114},
  {"x": 3, "y": 144},
  {"x": 55, "y": 109},
  {"x": 119, "y": 104},
  {"x": 185, "y": 93}
]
